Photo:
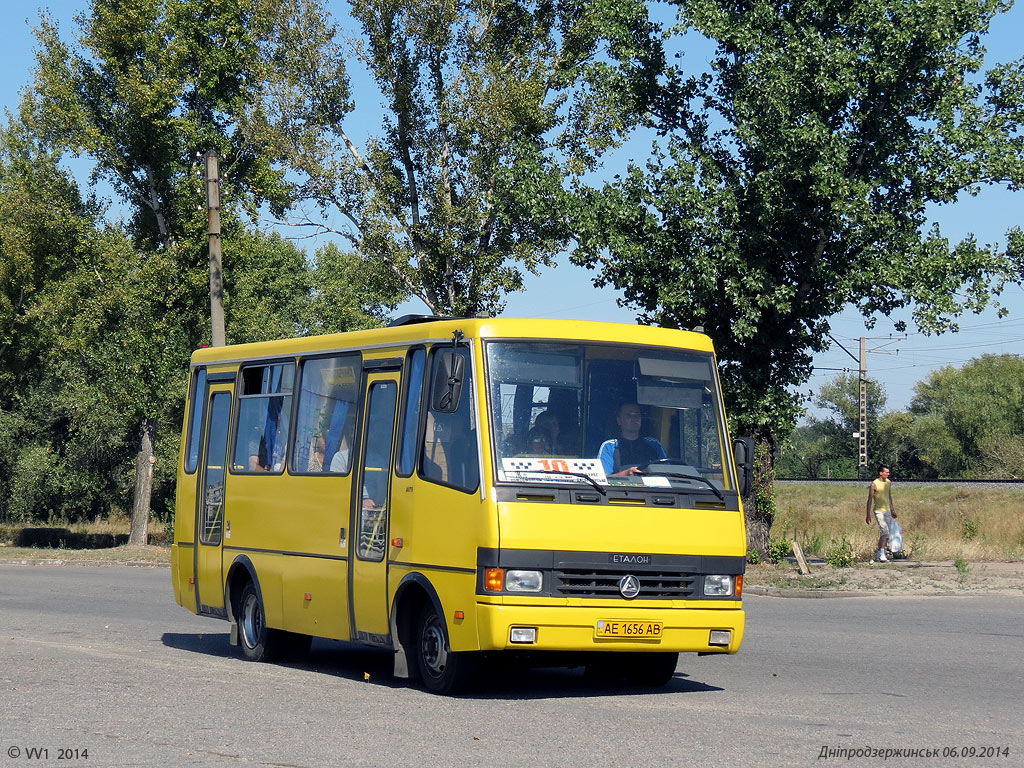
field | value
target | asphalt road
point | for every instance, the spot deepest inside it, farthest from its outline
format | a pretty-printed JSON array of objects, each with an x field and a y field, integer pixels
[{"x": 101, "y": 659}]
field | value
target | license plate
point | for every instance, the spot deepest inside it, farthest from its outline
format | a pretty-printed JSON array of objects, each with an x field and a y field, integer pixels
[{"x": 628, "y": 630}]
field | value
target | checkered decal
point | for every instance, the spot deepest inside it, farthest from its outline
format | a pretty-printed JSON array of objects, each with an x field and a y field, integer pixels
[{"x": 529, "y": 468}]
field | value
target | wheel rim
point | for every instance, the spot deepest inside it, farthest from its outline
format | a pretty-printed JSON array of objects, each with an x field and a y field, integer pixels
[
  {"x": 432, "y": 647},
  {"x": 252, "y": 621}
]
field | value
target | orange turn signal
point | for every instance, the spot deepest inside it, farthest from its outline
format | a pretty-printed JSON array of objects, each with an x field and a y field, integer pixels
[
  {"x": 494, "y": 579},
  {"x": 307, "y": 597},
  {"x": 459, "y": 615},
  {"x": 739, "y": 585},
  {"x": 397, "y": 542}
]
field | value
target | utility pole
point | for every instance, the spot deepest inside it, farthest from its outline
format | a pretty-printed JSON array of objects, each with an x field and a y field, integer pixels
[
  {"x": 862, "y": 435},
  {"x": 216, "y": 264},
  {"x": 862, "y": 380}
]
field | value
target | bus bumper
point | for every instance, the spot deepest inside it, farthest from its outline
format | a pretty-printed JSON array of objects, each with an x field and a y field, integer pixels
[{"x": 571, "y": 628}]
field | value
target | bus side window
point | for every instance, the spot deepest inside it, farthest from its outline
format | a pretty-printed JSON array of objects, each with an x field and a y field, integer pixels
[
  {"x": 449, "y": 439},
  {"x": 197, "y": 399},
  {"x": 264, "y": 411},
  {"x": 411, "y": 412},
  {"x": 325, "y": 429}
]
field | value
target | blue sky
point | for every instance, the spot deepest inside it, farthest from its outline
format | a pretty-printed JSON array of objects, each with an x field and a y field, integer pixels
[{"x": 567, "y": 291}]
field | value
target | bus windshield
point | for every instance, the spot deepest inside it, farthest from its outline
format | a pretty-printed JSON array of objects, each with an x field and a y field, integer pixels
[{"x": 610, "y": 414}]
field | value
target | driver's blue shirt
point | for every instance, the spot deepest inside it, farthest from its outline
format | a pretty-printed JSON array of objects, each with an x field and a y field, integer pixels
[{"x": 619, "y": 453}]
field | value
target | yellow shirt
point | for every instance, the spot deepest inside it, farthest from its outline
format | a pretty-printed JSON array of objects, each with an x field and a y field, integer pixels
[{"x": 880, "y": 495}]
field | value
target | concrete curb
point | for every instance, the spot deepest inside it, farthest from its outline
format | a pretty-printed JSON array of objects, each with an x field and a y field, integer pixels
[
  {"x": 90, "y": 563},
  {"x": 813, "y": 593}
]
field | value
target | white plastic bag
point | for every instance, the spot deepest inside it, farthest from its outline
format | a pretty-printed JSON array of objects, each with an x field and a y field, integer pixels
[{"x": 895, "y": 534}]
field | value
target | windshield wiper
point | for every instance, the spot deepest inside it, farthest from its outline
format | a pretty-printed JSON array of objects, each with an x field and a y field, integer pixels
[
  {"x": 586, "y": 477},
  {"x": 698, "y": 478}
]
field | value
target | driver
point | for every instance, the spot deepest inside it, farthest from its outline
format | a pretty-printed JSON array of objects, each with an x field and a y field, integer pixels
[{"x": 625, "y": 454}]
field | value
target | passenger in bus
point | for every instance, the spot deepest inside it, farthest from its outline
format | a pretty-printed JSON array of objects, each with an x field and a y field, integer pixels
[
  {"x": 316, "y": 457},
  {"x": 342, "y": 456},
  {"x": 542, "y": 440},
  {"x": 625, "y": 454},
  {"x": 258, "y": 462},
  {"x": 341, "y": 459}
]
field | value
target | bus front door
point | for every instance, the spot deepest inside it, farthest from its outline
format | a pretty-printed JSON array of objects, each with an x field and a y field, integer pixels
[
  {"x": 210, "y": 504},
  {"x": 370, "y": 512}
]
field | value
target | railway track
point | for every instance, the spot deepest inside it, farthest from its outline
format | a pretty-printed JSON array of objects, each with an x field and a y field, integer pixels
[{"x": 1007, "y": 484}]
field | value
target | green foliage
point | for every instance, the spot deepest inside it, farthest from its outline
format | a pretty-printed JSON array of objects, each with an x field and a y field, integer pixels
[
  {"x": 487, "y": 107},
  {"x": 963, "y": 569},
  {"x": 754, "y": 557},
  {"x": 779, "y": 550},
  {"x": 970, "y": 529},
  {"x": 975, "y": 415},
  {"x": 97, "y": 321},
  {"x": 153, "y": 84},
  {"x": 826, "y": 447},
  {"x": 840, "y": 553},
  {"x": 795, "y": 178}
]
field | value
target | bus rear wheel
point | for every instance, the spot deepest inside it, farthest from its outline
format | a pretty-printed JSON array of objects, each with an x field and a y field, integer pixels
[
  {"x": 259, "y": 642},
  {"x": 442, "y": 670}
]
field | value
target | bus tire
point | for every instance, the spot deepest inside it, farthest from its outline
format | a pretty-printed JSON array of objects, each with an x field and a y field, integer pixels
[
  {"x": 441, "y": 670},
  {"x": 259, "y": 642},
  {"x": 650, "y": 670}
]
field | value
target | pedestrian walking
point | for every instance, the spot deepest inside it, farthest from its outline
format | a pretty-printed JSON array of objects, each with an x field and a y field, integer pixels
[{"x": 880, "y": 504}]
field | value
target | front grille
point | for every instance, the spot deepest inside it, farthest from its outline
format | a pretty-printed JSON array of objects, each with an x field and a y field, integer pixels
[{"x": 589, "y": 582}]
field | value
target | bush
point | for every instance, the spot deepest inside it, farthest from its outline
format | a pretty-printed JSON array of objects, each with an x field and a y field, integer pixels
[
  {"x": 840, "y": 554},
  {"x": 64, "y": 538},
  {"x": 963, "y": 570},
  {"x": 970, "y": 529},
  {"x": 779, "y": 550}
]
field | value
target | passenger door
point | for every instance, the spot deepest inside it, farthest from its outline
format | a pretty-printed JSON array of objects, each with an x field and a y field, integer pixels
[
  {"x": 210, "y": 503},
  {"x": 371, "y": 510}
]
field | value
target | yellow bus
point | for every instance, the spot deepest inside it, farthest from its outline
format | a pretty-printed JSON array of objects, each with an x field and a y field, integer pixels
[{"x": 453, "y": 489}]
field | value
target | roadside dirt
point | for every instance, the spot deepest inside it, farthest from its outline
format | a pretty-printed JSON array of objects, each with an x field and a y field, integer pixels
[
  {"x": 146, "y": 556},
  {"x": 898, "y": 577}
]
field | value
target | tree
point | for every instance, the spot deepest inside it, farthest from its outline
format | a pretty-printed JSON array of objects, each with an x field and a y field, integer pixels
[
  {"x": 488, "y": 105},
  {"x": 827, "y": 445},
  {"x": 275, "y": 291},
  {"x": 974, "y": 415},
  {"x": 152, "y": 85},
  {"x": 47, "y": 233},
  {"x": 794, "y": 179}
]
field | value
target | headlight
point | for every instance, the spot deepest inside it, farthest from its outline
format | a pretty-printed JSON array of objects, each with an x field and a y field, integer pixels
[
  {"x": 718, "y": 586},
  {"x": 523, "y": 581}
]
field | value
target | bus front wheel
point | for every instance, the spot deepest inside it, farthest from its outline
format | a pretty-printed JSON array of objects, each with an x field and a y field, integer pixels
[
  {"x": 650, "y": 669},
  {"x": 259, "y": 642},
  {"x": 442, "y": 670}
]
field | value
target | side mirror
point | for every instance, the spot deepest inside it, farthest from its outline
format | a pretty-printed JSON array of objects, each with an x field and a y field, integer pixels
[
  {"x": 446, "y": 389},
  {"x": 743, "y": 454}
]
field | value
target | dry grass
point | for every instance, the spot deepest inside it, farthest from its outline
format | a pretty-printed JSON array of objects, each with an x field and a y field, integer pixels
[{"x": 940, "y": 522}]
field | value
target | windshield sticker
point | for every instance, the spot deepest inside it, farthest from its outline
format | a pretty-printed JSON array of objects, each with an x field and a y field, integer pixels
[
  {"x": 551, "y": 470},
  {"x": 656, "y": 481}
]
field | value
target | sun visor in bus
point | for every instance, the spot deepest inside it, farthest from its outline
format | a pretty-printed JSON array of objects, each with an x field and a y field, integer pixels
[
  {"x": 670, "y": 395},
  {"x": 677, "y": 370},
  {"x": 672, "y": 383},
  {"x": 446, "y": 391},
  {"x": 542, "y": 369}
]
